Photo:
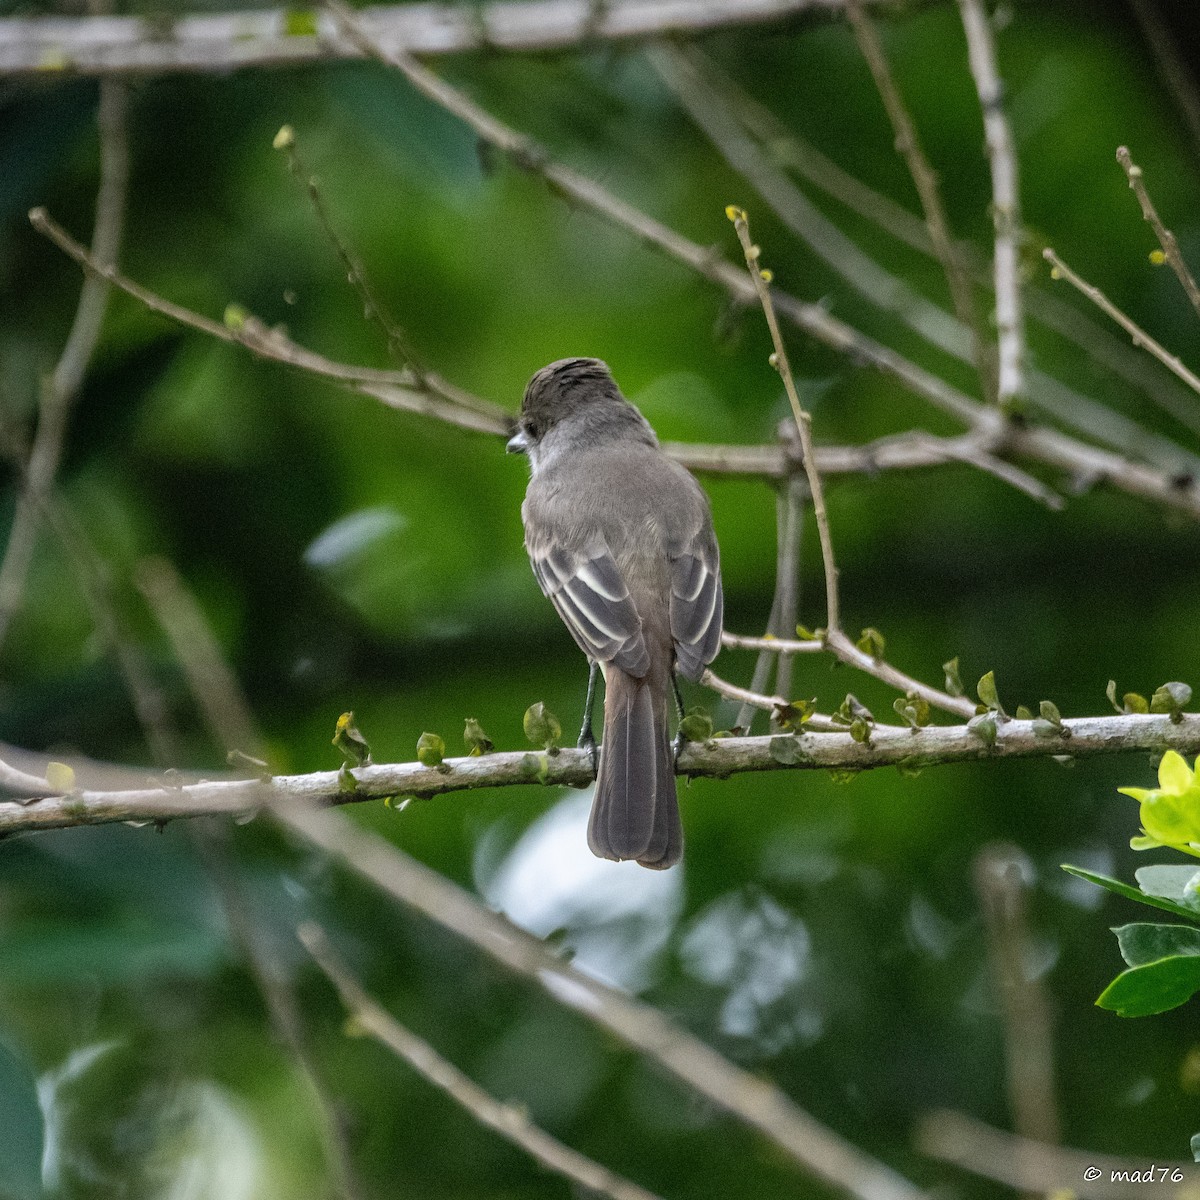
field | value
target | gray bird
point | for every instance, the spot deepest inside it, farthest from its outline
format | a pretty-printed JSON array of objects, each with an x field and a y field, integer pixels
[{"x": 621, "y": 540}]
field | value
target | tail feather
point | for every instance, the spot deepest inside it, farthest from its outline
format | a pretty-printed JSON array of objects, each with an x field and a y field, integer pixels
[{"x": 635, "y": 813}]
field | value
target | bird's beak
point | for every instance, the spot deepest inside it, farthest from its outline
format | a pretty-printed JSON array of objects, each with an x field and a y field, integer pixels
[{"x": 518, "y": 443}]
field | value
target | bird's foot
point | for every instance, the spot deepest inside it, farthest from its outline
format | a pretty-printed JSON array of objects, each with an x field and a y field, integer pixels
[{"x": 588, "y": 742}]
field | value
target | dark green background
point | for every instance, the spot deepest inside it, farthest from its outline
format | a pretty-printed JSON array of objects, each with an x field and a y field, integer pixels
[{"x": 112, "y": 944}]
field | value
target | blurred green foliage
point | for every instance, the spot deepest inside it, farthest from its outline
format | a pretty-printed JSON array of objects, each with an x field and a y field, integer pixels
[{"x": 349, "y": 556}]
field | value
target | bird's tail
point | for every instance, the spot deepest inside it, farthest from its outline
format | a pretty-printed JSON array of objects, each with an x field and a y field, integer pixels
[{"x": 635, "y": 813}]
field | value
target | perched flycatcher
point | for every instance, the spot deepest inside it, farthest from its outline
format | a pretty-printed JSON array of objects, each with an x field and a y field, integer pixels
[{"x": 621, "y": 540}]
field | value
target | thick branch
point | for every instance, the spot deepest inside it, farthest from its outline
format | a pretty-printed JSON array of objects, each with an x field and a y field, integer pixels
[
  {"x": 889, "y": 745},
  {"x": 222, "y": 42}
]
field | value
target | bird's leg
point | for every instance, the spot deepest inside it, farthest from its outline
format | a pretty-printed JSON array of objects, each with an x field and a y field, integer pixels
[
  {"x": 587, "y": 740},
  {"x": 678, "y": 740}
]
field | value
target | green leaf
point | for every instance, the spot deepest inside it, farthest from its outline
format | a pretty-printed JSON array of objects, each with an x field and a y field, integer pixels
[
  {"x": 1153, "y": 988},
  {"x": 954, "y": 683},
  {"x": 872, "y": 642},
  {"x": 1136, "y": 703},
  {"x": 350, "y": 742},
  {"x": 986, "y": 690},
  {"x": 1145, "y": 942},
  {"x": 1171, "y": 698},
  {"x": 809, "y": 635},
  {"x": 1111, "y": 693},
  {"x": 860, "y": 730},
  {"x": 1023, "y": 713},
  {"x": 786, "y": 750},
  {"x": 477, "y": 740},
  {"x": 1049, "y": 711},
  {"x": 431, "y": 749},
  {"x": 1130, "y": 893},
  {"x": 1181, "y": 884},
  {"x": 697, "y": 726},
  {"x": 542, "y": 727},
  {"x": 794, "y": 715},
  {"x": 1196, "y": 1147},
  {"x": 346, "y": 781},
  {"x": 21, "y": 1130}
]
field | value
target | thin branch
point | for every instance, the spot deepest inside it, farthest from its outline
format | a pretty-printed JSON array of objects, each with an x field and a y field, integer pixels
[
  {"x": 227, "y": 714},
  {"x": 1172, "y": 66},
  {"x": 1087, "y": 465},
  {"x": 529, "y": 156},
  {"x": 779, "y": 361},
  {"x": 209, "y": 676},
  {"x": 888, "y": 745},
  {"x": 793, "y": 501},
  {"x": 684, "y": 70},
  {"x": 1141, "y": 338},
  {"x": 1034, "y": 1166},
  {"x": 1006, "y": 212},
  {"x": 1166, "y": 239},
  {"x": 279, "y": 998},
  {"x": 795, "y": 154},
  {"x": 60, "y": 390},
  {"x": 924, "y": 178},
  {"x": 373, "y": 309},
  {"x": 644, "y": 1029},
  {"x": 1025, "y": 1007},
  {"x": 510, "y": 1121},
  {"x": 398, "y": 389},
  {"x": 221, "y": 42},
  {"x": 94, "y": 576}
]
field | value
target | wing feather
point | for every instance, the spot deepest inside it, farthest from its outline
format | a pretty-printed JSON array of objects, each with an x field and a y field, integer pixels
[{"x": 590, "y": 595}]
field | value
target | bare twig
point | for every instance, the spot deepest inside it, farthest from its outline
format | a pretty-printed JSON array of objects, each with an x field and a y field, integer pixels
[
  {"x": 373, "y": 309},
  {"x": 789, "y": 150},
  {"x": 1006, "y": 212},
  {"x": 889, "y": 745},
  {"x": 1166, "y": 239},
  {"x": 529, "y": 156},
  {"x": 789, "y": 515},
  {"x": 1033, "y": 1166},
  {"x": 685, "y": 71},
  {"x": 510, "y": 1121},
  {"x": 96, "y": 584},
  {"x": 270, "y": 977},
  {"x": 398, "y": 389},
  {"x": 779, "y": 361},
  {"x": 1141, "y": 338},
  {"x": 1088, "y": 465},
  {"x": 60, "y": 390},
  {"x": 209, "y": 676},
  {"x": 231, "y": 723},
  {"x": 1025, "y": 1008},
  {"x": 221, "y": 42},
  {"x": 908, "y": 144},
  {"x": 1173, "y": 67},
  {"x": 748, "y": 1097}
]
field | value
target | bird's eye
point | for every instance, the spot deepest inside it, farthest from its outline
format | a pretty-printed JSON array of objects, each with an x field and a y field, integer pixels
[{"x": 533, "y": 429}]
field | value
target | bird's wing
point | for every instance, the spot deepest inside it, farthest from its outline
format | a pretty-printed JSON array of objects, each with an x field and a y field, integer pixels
[
  {"x": 697, "y": 603},
  {"x": 591, "y": 597}
]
